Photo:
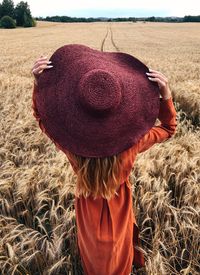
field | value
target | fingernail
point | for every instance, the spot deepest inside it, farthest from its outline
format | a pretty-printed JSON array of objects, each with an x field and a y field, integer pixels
[
  {"x": 49, "y": 62},
  {"x": 50, "y": 66},
  {"x": 149, "y": 78},
  {"x": 147, "y": 73}
]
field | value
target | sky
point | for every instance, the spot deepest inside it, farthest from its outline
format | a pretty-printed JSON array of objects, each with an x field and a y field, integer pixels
[{"x": 113, "y": 8}]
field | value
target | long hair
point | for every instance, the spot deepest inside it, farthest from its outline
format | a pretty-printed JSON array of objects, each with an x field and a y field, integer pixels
[{"x": 97, "y": 176}]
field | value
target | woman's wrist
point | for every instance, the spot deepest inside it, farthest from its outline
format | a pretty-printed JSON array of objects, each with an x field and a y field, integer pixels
[
  {"x": 166, "y": 94},
  {"x": 35, "y": 81},
  {"x": 166, "y": 97}
]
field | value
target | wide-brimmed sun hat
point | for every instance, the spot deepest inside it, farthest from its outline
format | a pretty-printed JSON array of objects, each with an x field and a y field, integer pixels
[{"x": 94, "y": 103}]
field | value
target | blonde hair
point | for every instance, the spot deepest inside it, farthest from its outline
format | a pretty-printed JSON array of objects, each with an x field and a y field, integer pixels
[{"x": 97, "y": 176}]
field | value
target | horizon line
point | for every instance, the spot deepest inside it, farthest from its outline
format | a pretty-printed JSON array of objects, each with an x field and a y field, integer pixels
[{"x": 169, "y": 16}]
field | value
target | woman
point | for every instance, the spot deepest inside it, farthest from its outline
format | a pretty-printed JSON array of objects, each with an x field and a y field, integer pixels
[{"x": 102, "y": 156}]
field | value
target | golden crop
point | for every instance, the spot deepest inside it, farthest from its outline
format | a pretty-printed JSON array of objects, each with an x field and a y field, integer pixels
[{"x": 37, "y": 217}]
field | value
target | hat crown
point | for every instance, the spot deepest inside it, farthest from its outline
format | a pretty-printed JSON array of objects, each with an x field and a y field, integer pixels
[{"x": 99, "y": 91}]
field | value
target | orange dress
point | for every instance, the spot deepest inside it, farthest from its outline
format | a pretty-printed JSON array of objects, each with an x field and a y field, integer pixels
[{"x": 107, "y": 231}]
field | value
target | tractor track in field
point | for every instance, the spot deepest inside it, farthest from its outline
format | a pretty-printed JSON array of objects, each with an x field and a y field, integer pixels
[
  {"x": 109, "y": 37},
  {"x": 104, "y": 39},
  {"x": 112, "y": 40}
]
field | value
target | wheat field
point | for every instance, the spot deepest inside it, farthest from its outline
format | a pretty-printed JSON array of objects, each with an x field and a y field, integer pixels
[{"x": 37, "y": 215}]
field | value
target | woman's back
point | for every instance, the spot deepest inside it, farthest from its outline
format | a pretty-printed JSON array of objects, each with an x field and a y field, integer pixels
[{"x": 109, "y": 227}]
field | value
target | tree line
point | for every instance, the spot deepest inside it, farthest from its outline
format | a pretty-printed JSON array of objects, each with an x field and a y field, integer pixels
[
  {"x": 11, "y": 16},
  {"x": 187, "y": 18}
]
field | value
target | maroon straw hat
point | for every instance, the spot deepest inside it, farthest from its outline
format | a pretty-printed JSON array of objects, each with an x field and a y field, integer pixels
[{"x": 96, "y": 104}]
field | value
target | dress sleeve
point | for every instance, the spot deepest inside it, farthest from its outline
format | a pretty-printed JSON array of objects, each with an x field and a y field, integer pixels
[
  {"x": 163, "y": 131},
  {"x": 33, "y": 100},
  {"x": 35, "y": 110}
]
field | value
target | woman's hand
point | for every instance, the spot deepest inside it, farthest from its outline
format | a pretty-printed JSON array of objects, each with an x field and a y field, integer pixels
[
  {"x": 38, "y": 67},
  {"x": 162, "y": 81}
]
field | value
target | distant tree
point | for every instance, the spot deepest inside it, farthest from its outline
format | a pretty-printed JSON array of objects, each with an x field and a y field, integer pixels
[
  {"x": 39, "y": 18},
  {"x": 7, "y": 22},
  {"x": 23, "y": 15},
  {"x": 190, "y": 18},
  {"x": 29, "y": 21},
  {"x": 7, "y": 8},
  {"x": 133, "y": 19},
  {"x": 151, "y": 19}
]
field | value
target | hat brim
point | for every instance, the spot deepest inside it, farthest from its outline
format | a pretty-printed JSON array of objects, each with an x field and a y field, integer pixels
[{"x": 78, "y": 131}]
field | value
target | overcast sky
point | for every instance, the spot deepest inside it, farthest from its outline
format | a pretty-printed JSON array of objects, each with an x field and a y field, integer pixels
[{"x": 113, "y": 8}]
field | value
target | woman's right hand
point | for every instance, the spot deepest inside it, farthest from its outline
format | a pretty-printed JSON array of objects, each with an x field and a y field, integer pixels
[
  {"x": 38, "y": 67},
  {"x": 162, "y": 82}
]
